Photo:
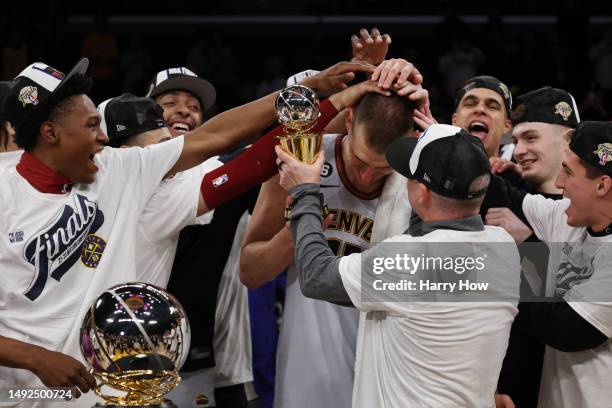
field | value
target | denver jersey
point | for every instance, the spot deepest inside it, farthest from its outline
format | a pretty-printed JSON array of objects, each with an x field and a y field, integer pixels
[{"x": 316, "y": 351}]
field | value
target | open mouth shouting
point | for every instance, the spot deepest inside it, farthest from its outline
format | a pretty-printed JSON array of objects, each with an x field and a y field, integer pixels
[{"x": 479, "y": 129}]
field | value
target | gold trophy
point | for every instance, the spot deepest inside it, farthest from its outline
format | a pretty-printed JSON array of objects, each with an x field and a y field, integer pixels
[
  {"x": 135, "y": 337},
  {"x": 297, "y": 109}
]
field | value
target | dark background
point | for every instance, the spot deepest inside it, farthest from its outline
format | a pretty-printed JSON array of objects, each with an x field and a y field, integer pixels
[{"x": 247, "y": 49}]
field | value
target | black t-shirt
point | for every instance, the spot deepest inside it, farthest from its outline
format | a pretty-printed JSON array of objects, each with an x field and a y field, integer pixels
[{"x": 201, "y": 256}]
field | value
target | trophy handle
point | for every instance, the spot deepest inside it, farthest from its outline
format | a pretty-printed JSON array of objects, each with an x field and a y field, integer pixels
[{"x": 142, "y": 388}]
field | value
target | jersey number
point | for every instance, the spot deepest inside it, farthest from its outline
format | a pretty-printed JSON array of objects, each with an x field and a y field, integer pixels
[{"x": 342, "y": 248}]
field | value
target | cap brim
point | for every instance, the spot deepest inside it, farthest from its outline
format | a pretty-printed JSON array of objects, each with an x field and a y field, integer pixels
[
  {"x": 80, "y": 68},
  {"x": 398, "y": 155},
  {"x": 201, "y": 88}
]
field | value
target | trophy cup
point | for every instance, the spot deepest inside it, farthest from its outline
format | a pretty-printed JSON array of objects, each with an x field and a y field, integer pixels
[
  {"x": 135, "y": 337},
  {"x": 297, "y": 109}
]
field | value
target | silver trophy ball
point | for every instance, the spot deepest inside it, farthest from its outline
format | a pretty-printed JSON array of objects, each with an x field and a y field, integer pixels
[
  {"x": 297, "y": 107},
  {"x": 135, "y": 327}
]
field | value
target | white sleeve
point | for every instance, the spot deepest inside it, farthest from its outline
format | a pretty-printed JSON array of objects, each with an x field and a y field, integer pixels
[
  {"x": 591, "y": 298},
  {"x": 546, "y": 217},
  {"x": 174, "y": 205},
  {"x": 350, "y": 272},
  {"x": 143, "y": 168}
]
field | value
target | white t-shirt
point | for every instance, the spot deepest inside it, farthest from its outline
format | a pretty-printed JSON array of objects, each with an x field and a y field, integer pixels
[
  {"x": 232, "y": 339},
  {"x": 316, "y": 347},
  {"x": 10, "y": 159},
  {"x": 59, "y": 252},
  {"x": 580, "y": 268},
  {"x": 172, "y": 207},
  {"x": 433, "y": 354}
]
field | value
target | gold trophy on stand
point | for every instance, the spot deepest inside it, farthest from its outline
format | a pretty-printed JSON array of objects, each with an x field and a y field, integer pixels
[
  {"x": 135, "y": 338},
  {"x": 297, "y": 109}
]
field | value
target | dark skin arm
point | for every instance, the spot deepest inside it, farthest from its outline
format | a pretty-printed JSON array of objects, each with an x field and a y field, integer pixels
[{"x": 52, "y": 368}]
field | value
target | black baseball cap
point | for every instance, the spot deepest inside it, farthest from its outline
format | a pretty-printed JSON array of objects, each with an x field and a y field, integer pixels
[
  {"x": 488, "y": 82},
  {"x": 547, "y": 105},
  {"x": 127, "y": 115},
  {"x": 445, "y": 158},
  {"x": 592, "y": 142},
  {"x": 182, "y": 79},
  {"x": 30, "y": 91}
]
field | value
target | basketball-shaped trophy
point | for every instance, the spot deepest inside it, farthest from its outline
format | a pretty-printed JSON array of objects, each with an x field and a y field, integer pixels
[{"x": 135, "y": 337}]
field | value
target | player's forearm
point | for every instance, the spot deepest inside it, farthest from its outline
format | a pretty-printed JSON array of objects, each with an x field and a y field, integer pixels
[
  {"x": 231, "y": 127},
  {"x": 253, "y": 167},
  {"x": 317, "y": 268},
  {"x": 17, "y": 354},
  {"x": 558, "y": 325},
  {"x": 262, "y": 261}
]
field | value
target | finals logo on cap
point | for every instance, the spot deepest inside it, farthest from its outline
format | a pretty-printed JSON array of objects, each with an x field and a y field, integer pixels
[
  {"x": 28, "y": 94},
  {"x": 563, "y": 109},
  {"x": 33, "y": 87},
  {"x": 604, "y": 152}
]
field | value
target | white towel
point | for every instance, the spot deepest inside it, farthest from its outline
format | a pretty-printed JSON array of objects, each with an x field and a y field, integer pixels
[
  {"x": 392, "y": 218},
  {"x": 393, "y": 211}
]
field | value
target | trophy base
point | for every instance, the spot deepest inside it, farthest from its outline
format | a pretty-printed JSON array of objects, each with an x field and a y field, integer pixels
[{"x": 165, "y": 404}]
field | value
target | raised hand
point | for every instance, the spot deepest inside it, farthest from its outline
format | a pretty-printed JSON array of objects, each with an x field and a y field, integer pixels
[{"x": 370, "y": 47}]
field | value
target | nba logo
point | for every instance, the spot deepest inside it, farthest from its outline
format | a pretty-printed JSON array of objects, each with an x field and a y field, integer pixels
[{"x": 220, "y": 180}]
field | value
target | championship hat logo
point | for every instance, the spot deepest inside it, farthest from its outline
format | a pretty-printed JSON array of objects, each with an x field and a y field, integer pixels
[
  {"x": 93, "y": 247},
  {"x": 28, "y": 94},
  {"x": 505, "y": 90},
  {"x": 563, "y": 109},
  {"x": 604, "y": 152}
]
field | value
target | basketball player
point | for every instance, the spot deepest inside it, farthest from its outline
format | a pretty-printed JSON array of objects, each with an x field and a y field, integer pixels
[
  {"x": 414, "y": 351},
  {"x": 316, "y": 350},
  {"x": 70, "y": 215}
]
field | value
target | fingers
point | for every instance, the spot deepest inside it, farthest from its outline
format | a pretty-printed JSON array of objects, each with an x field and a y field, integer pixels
[
  {"x": 390, "y": 70},
  {"x": 320, "y": 159},
  {"x": 75, "y": 392},
  {"x": 345, "y": 78},
  {"x": 421, "y": 120},
  {"x": 89, "y": 378},
  {"x": 327, "y": 221},
  {"x": 356, "y": 42},
  {"x": 283, "y": 155},
  {"x": 409, "y": 71},
  {"x": 426, "y": 118},
  {"x": 387, "y": 38},
  {"x": 80, "y": 383},
  {"x": 368, "y": 86},
  {"x": 352, "y": 66},
  {"x": 376, "y": 36},
  {"x": 365, "y": 36}
]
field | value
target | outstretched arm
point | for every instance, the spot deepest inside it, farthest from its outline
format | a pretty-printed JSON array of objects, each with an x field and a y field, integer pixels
[{"x": 231, "y": 127}]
